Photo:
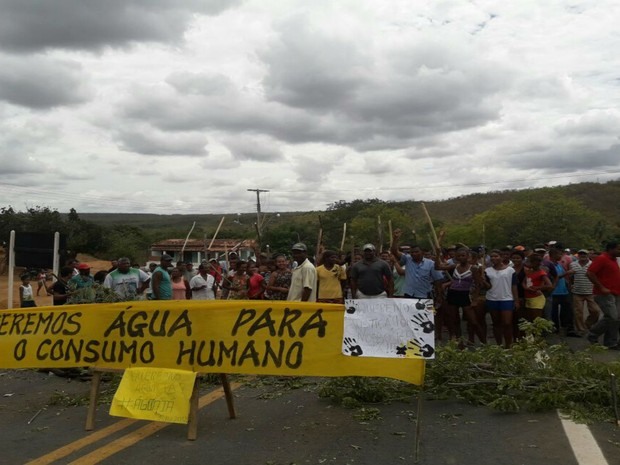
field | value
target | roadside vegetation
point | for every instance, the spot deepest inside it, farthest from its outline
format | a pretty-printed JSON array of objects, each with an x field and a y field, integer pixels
[{"x": 531, "y": 376}]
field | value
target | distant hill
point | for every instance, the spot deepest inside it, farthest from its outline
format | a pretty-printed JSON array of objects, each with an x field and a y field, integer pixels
[{"x": 603, "y": 198}]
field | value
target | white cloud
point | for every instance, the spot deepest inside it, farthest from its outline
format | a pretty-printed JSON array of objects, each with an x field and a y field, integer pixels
[{"x": 315, "y": 101}]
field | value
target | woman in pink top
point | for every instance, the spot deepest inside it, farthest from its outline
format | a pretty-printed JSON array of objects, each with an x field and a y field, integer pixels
[{"x": 179, "y": 285}]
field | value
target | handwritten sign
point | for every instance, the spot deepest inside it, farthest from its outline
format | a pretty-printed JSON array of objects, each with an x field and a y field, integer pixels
[
  {"x": 393, "y": 328},
  {"x": 243, "y": 336},
  {"x": 154, "y": 394}
]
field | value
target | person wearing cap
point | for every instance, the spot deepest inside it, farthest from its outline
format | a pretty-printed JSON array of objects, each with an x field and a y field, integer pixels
[
  {"x": 126, "y": 281},
  {"x": 83, "y": 278},
  {"x": 371, "y": 277},
  {"x": 421, "y": 277},
  {"x": 161, "y": 284},
  {"x": 605, "y": 274},
  {"x": 303, "y": 278},
  {"x": 583, "y": 293}
]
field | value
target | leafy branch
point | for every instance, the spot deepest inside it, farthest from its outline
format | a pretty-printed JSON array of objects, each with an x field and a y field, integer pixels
[{"x": 532, "y": 376}]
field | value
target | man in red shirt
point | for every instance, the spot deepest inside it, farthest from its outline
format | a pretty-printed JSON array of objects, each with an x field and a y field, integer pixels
[{"x": 605, "y": 275}]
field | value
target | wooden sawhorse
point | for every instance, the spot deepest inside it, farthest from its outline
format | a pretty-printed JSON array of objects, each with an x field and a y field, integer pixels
[{"x": 192, "y": 425}]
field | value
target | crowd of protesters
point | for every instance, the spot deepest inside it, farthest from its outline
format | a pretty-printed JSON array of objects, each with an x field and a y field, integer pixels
[{"x": 578, "y": 290}]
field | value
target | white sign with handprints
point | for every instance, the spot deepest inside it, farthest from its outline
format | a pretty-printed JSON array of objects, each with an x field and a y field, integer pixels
[{"x": 392, "y": 328}]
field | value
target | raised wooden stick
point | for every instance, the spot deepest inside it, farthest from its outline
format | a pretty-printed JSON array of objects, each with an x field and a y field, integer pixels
[
  {"x": 391, "y": 233},
  {"x": 430, "y": 241},
  {"x": 430, "y": 223},
  {"x": 319, "y": 240},
  {"x": 187, "y": 239},
  {"x": 216, "y": 232},
  {"x": 379, "y": 233},
  {"x": 226, "y": 255},
  {"x": 442, "y": 234},
  {"x": 344, "y": 234}
]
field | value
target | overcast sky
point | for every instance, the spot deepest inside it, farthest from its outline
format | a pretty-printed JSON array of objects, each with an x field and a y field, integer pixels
[{"x": 166, "y": 106}]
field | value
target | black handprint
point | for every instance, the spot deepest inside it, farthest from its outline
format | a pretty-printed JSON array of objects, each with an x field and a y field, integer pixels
[
  {"x": 415, "y": 345},
  {"x": 419, "y": 305},
  {"x": 351, "y": 310},
  {"x": 352, "y": 347},
  {"x": 424, "y": 323}
]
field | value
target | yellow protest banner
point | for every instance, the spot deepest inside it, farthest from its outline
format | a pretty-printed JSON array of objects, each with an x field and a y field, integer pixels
[
  {"x": 247, "y": 337},
  {"x": 156, "y": 394}
]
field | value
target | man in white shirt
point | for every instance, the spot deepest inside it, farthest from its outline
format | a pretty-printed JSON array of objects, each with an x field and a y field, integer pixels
[
  {"x": 127, "y": 282},
  {"x": 303, "y": 281}
]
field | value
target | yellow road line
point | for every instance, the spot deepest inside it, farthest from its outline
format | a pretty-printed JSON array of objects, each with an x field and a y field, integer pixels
[
  {"x": 122, "y": 443},
  {"x": 80, "y": 443}
]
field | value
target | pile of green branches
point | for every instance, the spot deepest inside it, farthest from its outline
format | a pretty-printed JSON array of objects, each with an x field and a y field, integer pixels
[
  {"x": 95, "y": 294},
  {"x": 533, "y": 375}
]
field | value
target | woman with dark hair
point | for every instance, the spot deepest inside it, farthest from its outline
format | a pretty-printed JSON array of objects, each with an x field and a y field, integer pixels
[
  {"x": 502, "y": 297},
  {"x": 535, "y": 284},
  {"x": 180, "y": 286},
  {"x": 237, "y": 284},
  {"x": 279, "y": 279},
  {"x": 464, "y": 285}
]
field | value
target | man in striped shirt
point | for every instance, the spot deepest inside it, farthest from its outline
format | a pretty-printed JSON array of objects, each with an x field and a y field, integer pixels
[{"x": 582, "y": 289}]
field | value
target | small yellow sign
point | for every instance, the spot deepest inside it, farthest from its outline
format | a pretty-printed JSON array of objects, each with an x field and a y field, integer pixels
[{"x": 156, "y": 394}]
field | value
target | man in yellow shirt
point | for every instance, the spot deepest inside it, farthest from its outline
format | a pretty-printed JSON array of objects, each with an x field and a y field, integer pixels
[{"x": 331, "y": 278}]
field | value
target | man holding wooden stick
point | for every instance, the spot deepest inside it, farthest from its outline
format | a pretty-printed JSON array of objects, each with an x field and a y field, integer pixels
[{"x": 420, "y": 274}]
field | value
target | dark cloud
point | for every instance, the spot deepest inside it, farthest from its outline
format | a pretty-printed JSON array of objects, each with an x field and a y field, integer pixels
[
  {"x": 253, "y": 148},
  {"x": 149, "y": 141},
  {"x": 308, "y": 69},
  {"x": 13, "y": 164},
  {"x": 32, "y": 25},
  {"x": 335, "y": 91},
  {"x": 568, "y": 159},
  {"x": 41, "y": 82}
]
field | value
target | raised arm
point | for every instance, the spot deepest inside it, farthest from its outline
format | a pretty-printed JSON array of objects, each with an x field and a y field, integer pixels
[{"x": 396, "y": 234}]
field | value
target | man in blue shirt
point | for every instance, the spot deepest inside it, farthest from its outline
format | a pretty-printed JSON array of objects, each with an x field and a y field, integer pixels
[
  {"x": 420, "y": 274},
  {"x": 561, "y": 305}
]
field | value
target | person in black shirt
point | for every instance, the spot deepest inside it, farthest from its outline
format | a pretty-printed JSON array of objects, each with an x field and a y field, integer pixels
[{"x": 60, "y": 289}]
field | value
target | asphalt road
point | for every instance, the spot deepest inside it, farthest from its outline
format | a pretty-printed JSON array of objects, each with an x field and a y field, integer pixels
[{"x": 277, "y": 425}]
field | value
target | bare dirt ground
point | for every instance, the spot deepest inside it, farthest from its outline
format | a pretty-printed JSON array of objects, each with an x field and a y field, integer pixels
[{"x": 42, "y": 299}]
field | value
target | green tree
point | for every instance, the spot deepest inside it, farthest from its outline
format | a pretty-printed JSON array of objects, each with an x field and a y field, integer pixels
[{"x": 531, "y": 219}]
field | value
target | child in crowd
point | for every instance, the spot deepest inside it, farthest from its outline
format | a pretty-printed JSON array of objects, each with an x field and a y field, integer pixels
[{"x": 26, "y": 295}]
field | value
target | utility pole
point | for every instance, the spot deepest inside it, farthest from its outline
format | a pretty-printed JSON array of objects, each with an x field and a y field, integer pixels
[{"x": 258, "y": 191}]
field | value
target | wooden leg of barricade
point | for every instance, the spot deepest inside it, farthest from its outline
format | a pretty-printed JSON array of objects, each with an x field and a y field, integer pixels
[
  {"x": 192, "y": 424},
  {"x": 418, "y": 429},
  {"x": 95, "y": 385},
  {"x": 229, "y": 397}
]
